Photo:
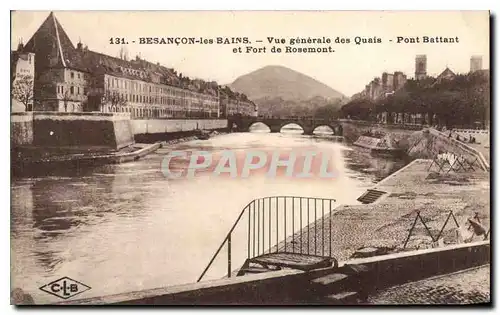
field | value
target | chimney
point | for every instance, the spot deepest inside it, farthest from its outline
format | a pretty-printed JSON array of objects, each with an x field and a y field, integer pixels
[
  {"x": 476, "y": 63},
  {"x": 20, "y": 46},
  {"x": 79, "y": 46}
]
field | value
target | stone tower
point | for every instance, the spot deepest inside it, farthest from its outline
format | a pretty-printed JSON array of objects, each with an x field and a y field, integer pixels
[
  {"x": 476, "y": 63},
  {"x": 420, "y": 67}
]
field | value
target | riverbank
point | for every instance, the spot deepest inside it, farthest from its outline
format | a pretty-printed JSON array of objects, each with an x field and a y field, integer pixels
[
  {"x": 190, "y": 138},
  {"x": 386, "y": 222},
  {"x": 31, "y": 160}
]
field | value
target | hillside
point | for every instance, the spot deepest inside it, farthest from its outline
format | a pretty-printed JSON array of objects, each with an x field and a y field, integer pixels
[{"x": 282, "y": 82}]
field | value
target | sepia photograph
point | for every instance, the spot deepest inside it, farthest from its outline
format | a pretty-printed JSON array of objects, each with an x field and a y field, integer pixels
[{"x": 336, "y": 158}]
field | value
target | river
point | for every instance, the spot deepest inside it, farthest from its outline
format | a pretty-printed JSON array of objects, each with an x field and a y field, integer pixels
[{"x": 126, "y": 227}]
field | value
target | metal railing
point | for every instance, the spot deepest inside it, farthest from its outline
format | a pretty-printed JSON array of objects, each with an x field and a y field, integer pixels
[
  {"x": 282, "y": 224},
  {"x": 484, "y": 164},
  {"x": 436, "y": 238}
]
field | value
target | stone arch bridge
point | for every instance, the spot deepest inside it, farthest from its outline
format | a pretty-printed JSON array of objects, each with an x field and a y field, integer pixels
[{"x": 308, "y": 124}]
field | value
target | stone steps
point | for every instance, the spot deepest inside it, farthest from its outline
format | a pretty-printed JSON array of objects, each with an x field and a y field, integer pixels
[
  {"x": 342, "y": 287},
  {"x": 342, "y": 298},
  {"x": 371, "y": 195}
]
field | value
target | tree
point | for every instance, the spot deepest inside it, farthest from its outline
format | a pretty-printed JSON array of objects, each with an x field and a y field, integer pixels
[
  {"x": 22, "y": 90},
  {"x": 66, "y": 99},
  {"x": 114, "y": 98},
  {"x": 363, "y": 109}
]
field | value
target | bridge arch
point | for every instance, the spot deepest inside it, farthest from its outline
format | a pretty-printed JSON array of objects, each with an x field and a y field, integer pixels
[
  {"x": 336, "y": 128},
  {"x": 291, "y": 122},
  {"x": 257, "y": 123},
  {"x": 329, "y": 127},
  {"x": 275, "y": 124}
]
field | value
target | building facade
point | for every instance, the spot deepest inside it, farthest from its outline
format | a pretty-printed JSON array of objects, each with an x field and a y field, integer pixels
[
  {"x": 382, "y": 87},
  {"x": 447, "y": 74},
  {"x": 233, "y": 103},
  {"x": 73, "y": 79},
  {"x": 420, "y": 67},
  {"x": 476, "y": 63},
  {"x": 22, "y": 80}
]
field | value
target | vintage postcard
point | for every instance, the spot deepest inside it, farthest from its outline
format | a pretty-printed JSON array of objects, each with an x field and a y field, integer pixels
[{"x": 250, "y": 157}]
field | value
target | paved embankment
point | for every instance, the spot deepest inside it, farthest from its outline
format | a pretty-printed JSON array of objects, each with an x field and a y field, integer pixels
[
  {"x": 362, "y": 278},
  {"x": 463, "y": 287},
  {"x": 30, "y": 157},
  {"x": 386, "y": 222}
]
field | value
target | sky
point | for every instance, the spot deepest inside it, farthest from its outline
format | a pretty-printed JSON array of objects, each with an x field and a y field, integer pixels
[{"x": 346, "y": 70}]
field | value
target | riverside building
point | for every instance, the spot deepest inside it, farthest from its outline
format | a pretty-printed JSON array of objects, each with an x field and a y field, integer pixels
[{"x": 76, "y": 79}]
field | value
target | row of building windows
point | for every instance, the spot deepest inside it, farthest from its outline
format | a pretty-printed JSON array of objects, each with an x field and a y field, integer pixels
[
  {"x": 143, "y": 87},
  {"x": 142, "y": 74},
  {"x": 138, "y": 112},
  {"x": 72, "y": 90},
  {"x": 72, "y": 75},
  {"x": 164, "y": 100}
]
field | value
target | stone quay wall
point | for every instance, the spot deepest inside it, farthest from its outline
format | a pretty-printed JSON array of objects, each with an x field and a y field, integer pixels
[
  {"x": 21, "y": 128},
  {"x": 292, "y": 287},
  {"x": 418, "y": 141},
  {"x": 429, "y": 143},
  {"x": 71, "y": 130},
  {"x": 353, "y": 129},
  {"x": 163, "y": 126}
]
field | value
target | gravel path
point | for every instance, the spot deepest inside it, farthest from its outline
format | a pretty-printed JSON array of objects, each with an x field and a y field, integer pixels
[{"x": 466, "y": 287}]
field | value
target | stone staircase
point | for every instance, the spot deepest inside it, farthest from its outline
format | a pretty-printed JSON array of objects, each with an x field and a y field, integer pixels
[
  {"x": 276, "y": 261},
  {"x": 343, "y": 287},
  {"x": 370, "y": 196}
]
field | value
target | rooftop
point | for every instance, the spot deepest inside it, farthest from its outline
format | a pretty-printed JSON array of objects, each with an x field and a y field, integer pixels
[{"x": 52, "y": 42}]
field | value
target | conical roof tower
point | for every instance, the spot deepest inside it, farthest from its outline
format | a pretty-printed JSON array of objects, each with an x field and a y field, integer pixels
[{"x": 51, "y": 45}]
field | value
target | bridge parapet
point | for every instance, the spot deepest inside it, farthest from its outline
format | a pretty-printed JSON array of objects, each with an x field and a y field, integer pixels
[{"x": 308, "y": 124}]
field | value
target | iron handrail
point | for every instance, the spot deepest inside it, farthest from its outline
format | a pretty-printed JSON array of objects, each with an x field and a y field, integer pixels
[
  {"x": 224, "y": 241},
  {"x": 261, "y": 245}
]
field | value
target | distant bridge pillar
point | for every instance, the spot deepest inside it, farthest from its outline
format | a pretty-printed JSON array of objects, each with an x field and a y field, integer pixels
[
  {"x": 275, "y": 128},
  {"x": 240, "y": 124},
  {"x": 308, "y": 130},
  {"x": 339, "y": 131}
]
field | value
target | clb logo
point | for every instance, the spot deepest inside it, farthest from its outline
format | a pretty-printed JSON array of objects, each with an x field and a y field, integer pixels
[{"x": 65, "y": 288}]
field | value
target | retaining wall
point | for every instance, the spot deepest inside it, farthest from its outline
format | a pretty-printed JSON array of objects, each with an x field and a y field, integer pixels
[
  {"x": 163, "y": 126},
  {"x": 430, "y": 142},
  {"x": 71, "y": 130},
  {"x": 418, "y": 143},
  {"x": 395, "y": 269},
  {"x": 352, "y": 130},
  {"x": 21, "y": 128},
  {"x": 288, "y": 287},
  {"x": 482, "y": 135}
]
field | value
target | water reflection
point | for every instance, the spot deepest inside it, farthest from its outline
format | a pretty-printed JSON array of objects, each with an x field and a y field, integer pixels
[
  {"x": 363, "y": 162},
  {"x": 323, "y": 130},
  {"x": 292, "y": 129},
  {"x": 259, "y": 128},
  {"x": 126, "y": 227}
]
